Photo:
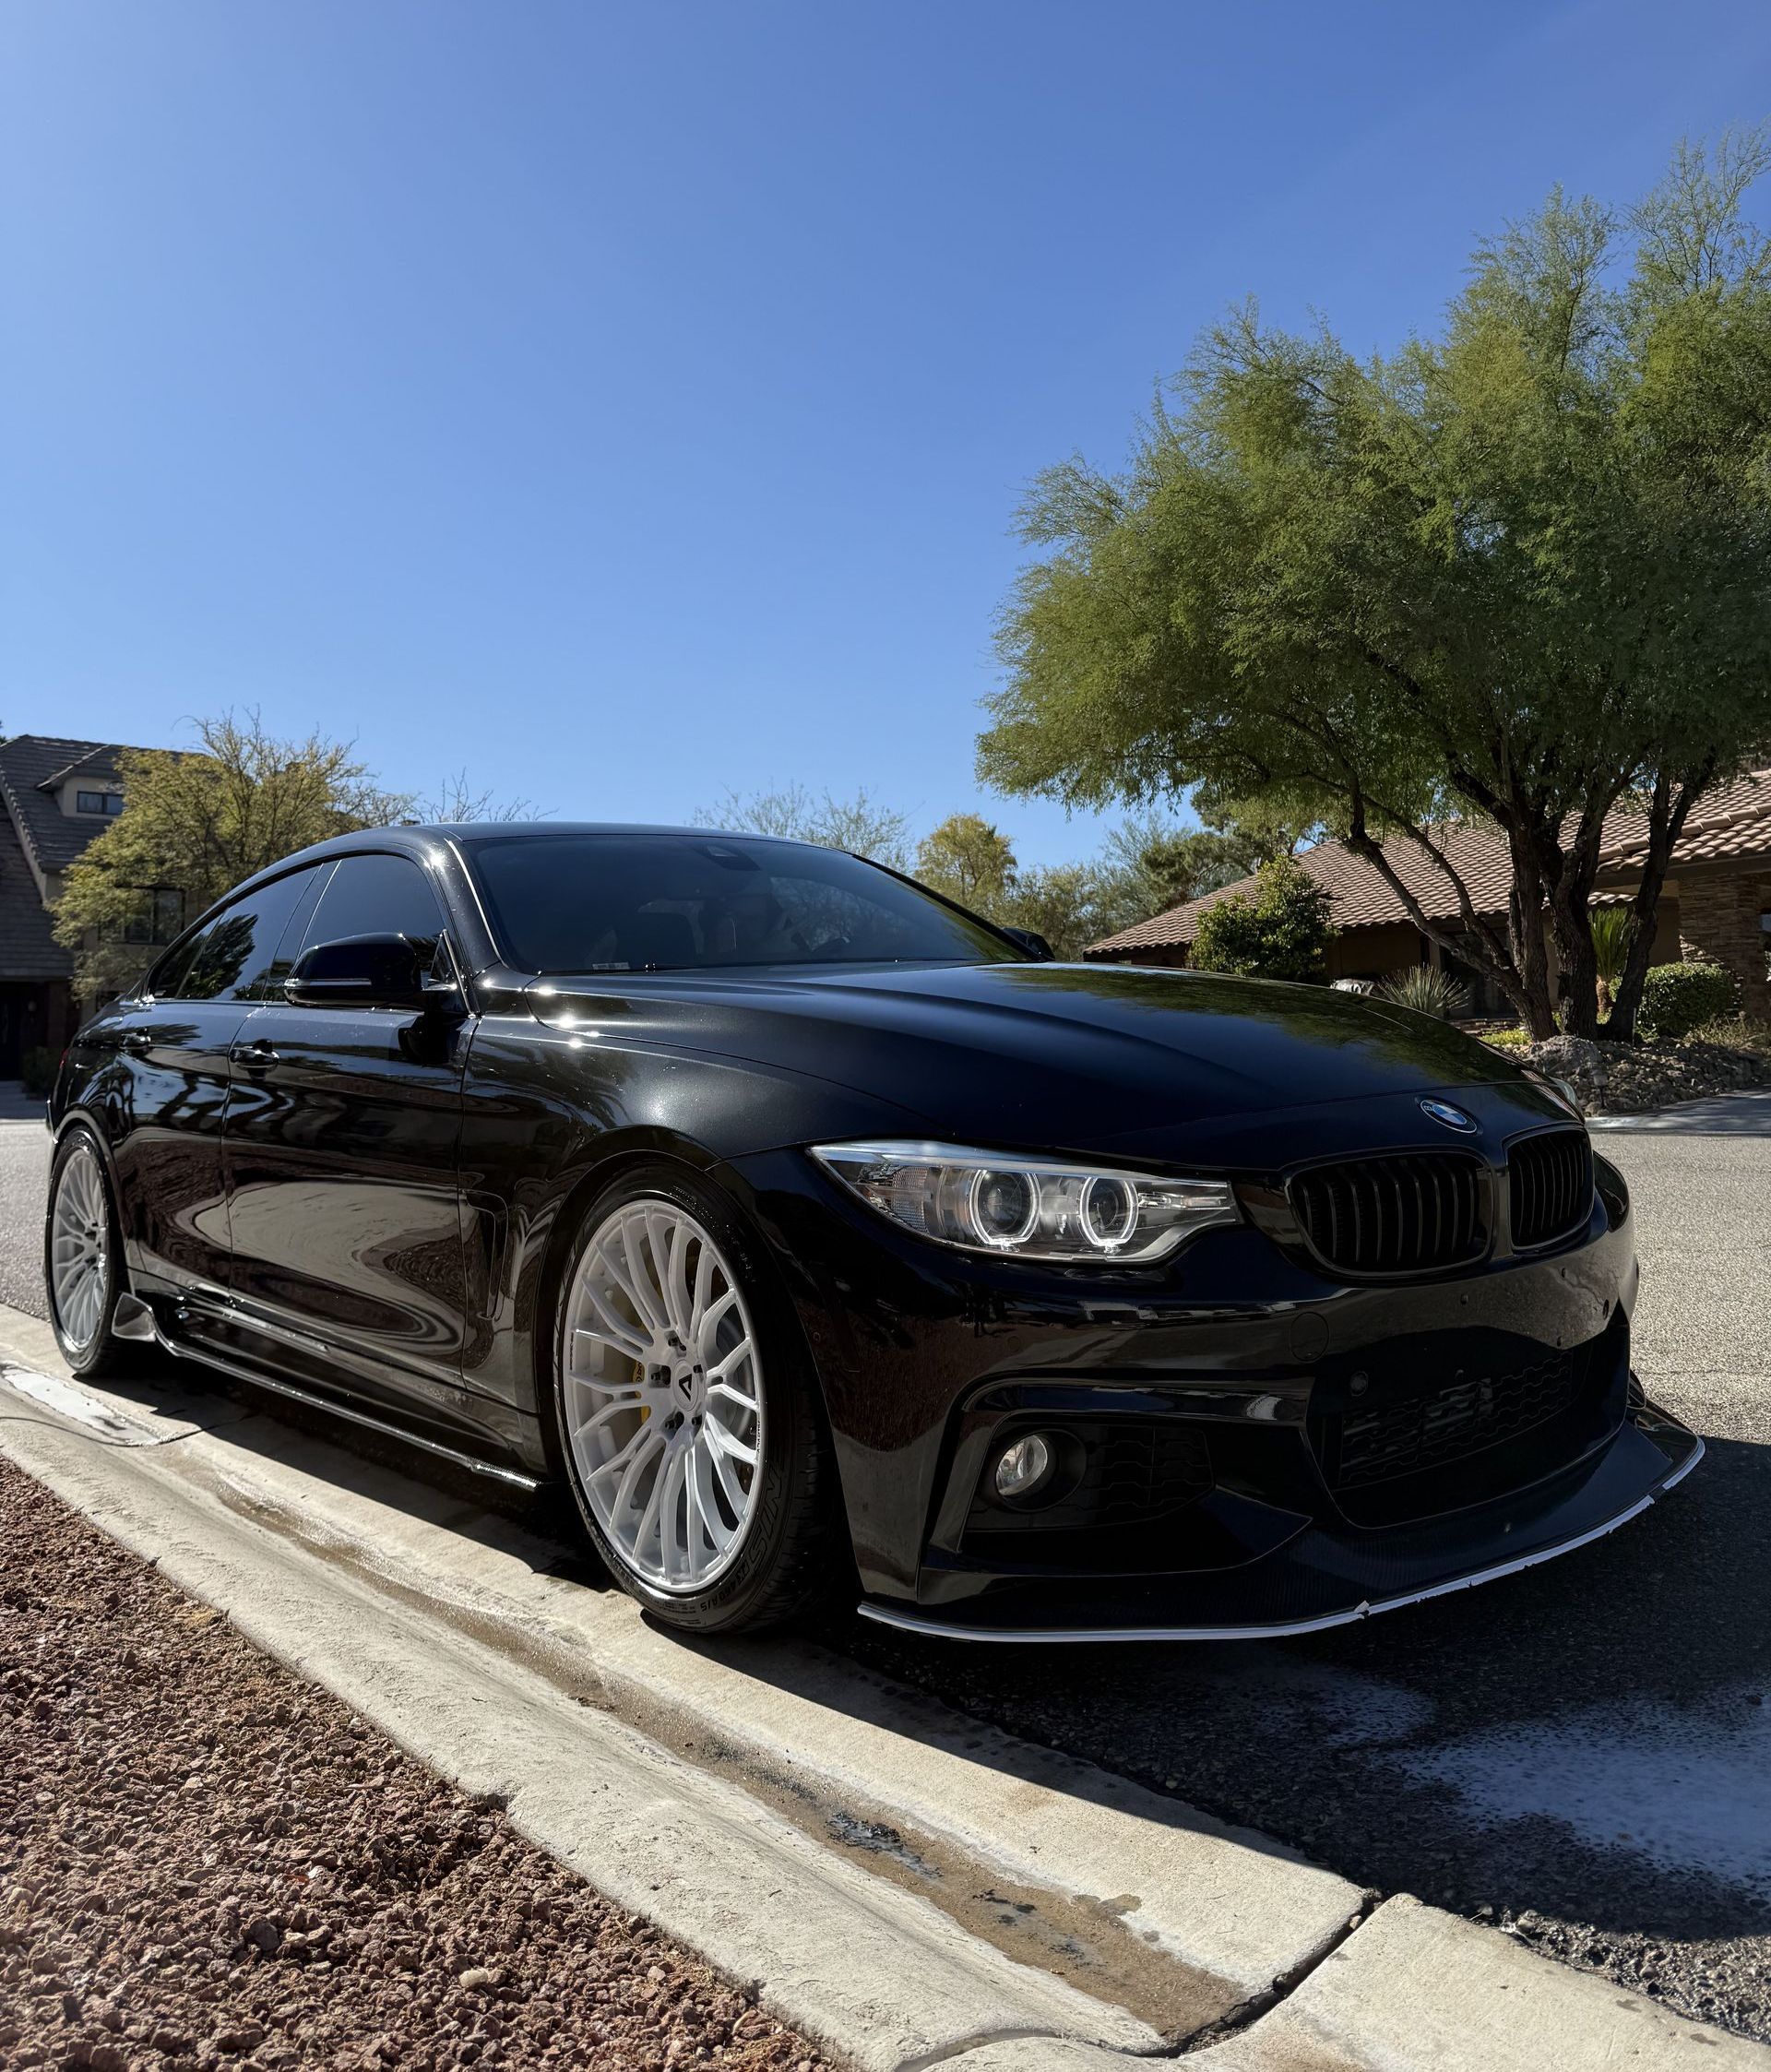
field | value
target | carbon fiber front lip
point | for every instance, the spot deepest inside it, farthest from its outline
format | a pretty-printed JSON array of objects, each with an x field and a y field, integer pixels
[{"x": 938, "y": 1629}]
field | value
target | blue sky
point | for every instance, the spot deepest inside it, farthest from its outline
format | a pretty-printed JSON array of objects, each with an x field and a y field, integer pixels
[{"x": 628, "y": 402}]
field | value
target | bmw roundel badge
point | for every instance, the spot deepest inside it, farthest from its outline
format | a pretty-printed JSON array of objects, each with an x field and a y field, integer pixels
[{"x": 1452, "y": 1118}]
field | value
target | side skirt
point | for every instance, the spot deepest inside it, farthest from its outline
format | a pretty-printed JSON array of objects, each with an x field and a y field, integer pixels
[{"x": 242, "y": 1371}]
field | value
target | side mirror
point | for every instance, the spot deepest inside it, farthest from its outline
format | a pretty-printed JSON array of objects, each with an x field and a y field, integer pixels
[
  {"x": 1034, "y": 944},
  {"x": 359, "y": 971}
]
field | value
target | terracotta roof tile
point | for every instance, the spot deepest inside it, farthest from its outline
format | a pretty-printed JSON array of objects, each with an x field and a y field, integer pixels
[{"x": 1734, "y": 820}]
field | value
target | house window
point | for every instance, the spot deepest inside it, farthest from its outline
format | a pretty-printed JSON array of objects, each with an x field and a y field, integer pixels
[
  {"x": 107, "y": 803},
  {"x": 156, "y": 914}
]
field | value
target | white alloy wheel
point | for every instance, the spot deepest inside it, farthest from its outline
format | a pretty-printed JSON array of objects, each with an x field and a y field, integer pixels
[
  {"x": 662, "y": 1396},
  {"x": 80, "y": 1247}
]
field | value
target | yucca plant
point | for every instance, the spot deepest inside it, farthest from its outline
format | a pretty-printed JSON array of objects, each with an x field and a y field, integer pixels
[
  {"x": 1612, "y": 929},
  {"x": 1427, "y": 990}
]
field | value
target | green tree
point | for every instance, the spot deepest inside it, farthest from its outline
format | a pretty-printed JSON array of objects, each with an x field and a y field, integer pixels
[
  {"x": 859, "y": 823},
  {"x": 969, "y": 860},
  {"x": 1518, "y": 573},
  {"x": 1279, "y": 929},
  {"x": 196, "y": 822},
  {"x": 1072, "y": 905},
  {"x": 1168, "y": 863}
]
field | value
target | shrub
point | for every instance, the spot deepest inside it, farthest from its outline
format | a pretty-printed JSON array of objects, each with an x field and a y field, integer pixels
[
  {"x": 1507, "y": 1038},
  {"x": 1614, "y": 931},
  {"x": 1277, "y": 931},
  {"x": 1427, "y": 991},
  {"x": 38, "y": 1068},
  {"x": 1735, "y": 1033},
  {"x": 1677, "y": 998}
]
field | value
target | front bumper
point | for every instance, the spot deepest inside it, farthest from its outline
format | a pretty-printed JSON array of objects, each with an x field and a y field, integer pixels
[
  {"x": 1252, "y": 1444},
  {"x": 1322, "y": 1577}
]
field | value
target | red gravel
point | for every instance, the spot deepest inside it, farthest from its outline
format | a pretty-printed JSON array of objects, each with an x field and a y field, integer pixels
[{"x": 206, "y": 1862}]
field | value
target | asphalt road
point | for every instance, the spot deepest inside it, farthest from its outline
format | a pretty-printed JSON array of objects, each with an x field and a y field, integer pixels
[{"x": 1581, "y": 1755}]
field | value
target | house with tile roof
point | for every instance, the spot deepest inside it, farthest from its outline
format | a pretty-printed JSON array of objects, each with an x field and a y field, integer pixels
[
  {"x": 1716, "y": 899},
  {"x": 55, "y": 795}
]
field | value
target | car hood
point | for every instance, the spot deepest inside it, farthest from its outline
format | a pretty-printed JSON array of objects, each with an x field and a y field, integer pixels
[{"x": 1047, "y": 1054}]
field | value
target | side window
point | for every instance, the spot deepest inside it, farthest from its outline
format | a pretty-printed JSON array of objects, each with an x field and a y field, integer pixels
[
  {"x": 281, "y": 948},
  {"x": 213, "y": 959},
  {"x": 166, "y": 980},
  {"x": 377, "y": 896},
  {"x": 231, "y": 957}
]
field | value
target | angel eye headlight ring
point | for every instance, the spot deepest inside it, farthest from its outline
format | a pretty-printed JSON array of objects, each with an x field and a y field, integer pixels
[{"x": 1029, "y": 1207}]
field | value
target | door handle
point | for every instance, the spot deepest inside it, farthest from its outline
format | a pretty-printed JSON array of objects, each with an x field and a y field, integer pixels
[
  {"x": 137, "y": 1041},
  {"x": 257, "y": 1056}
]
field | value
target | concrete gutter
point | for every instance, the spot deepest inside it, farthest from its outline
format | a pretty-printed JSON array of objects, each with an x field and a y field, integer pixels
[
  {"x": 1416, "y": 1990},
  {"x": 904, "y": 1885}
]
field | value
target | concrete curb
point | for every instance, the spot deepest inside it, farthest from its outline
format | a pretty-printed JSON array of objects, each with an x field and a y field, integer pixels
[
  {"x": 1133, "y": 1896},
  {"x": 874, "y": 1975},
  {"x": 440, "y": 1624}
]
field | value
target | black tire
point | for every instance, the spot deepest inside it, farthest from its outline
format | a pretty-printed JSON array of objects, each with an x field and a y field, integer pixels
[
  {"x": 793, "y": 1549},
  {"x": 102, "y": 1355}
]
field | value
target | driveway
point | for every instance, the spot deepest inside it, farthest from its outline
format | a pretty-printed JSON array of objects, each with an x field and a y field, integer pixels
[{"x": 1581, "y": 1754}]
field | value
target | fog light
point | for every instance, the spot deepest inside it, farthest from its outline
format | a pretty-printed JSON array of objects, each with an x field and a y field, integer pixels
[{"x": 1022, "y": 1467}]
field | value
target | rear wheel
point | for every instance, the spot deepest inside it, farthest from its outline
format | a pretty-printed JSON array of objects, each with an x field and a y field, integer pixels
[
  {"x": 687, "y": 1413},
  {"x": 83, "y": 1259}
]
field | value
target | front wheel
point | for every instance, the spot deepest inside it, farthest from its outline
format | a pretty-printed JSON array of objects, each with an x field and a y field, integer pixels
[
  {"x": 83, "y": 1259},
  {"x": 688, "y": 1412}
]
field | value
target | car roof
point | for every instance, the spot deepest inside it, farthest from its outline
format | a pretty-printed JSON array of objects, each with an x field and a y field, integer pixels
[
  {"x": 432, "y": 840},
  {"x": 483, "y": 830},
  {"x": 424, "y": 837}
]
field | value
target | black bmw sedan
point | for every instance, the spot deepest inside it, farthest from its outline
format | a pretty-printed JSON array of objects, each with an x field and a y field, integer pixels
[{"x": 807, "y": 1227}]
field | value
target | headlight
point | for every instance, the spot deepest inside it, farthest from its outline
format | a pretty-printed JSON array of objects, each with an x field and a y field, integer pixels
[{"x": 1028, "y": 1209}]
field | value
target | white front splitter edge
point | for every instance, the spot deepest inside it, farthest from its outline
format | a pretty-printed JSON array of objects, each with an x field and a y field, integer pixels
[{"x": 1058, "y": 1637}]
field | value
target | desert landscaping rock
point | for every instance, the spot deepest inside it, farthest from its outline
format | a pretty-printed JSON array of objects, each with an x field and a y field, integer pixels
[
  {"x": 206, "y": 1863},
  {"x": 1631, "y": 1079}
]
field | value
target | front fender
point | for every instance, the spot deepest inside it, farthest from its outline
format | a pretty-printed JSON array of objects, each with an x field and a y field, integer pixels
[{"x": 550, "y": 1115}]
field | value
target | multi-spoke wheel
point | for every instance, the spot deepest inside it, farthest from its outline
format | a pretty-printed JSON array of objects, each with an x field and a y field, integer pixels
[
  {"x": 81, "y": 1263},
  {"x": 690, "y": 1436}
]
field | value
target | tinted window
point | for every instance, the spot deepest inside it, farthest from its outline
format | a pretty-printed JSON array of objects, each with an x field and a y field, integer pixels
[
  {"x": 675, "y": 902},
  {"x": 231, "y": 956},
  {"x": 377, "y": 896},
  {"x": 265, "y": 981},
  {"x": 168, "y": 975}
]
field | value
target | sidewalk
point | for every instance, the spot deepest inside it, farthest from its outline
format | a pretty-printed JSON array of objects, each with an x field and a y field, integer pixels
[{"x": 1721, "y": 1114}]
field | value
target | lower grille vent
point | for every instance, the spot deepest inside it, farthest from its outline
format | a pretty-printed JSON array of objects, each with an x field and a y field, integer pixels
[
  {"x": 1446, "y": 1425},
  {"x": 1144, "y": 1471}
]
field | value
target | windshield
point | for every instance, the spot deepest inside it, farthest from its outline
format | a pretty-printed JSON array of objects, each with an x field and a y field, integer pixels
[{"x": 615, "y": 902}]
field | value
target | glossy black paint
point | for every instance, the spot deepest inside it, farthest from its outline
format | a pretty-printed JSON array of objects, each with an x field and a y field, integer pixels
[{"x": 374, "y": 1200}]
